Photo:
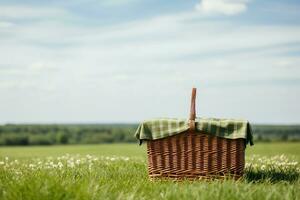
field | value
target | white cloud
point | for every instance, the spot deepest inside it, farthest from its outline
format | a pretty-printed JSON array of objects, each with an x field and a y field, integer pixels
[
  {"x": 156, "y": 44},
  {"x": 29, "y": 12},
  {"x": 225, "y": 7},
  {"x": 40, "y": 66},
  {"x": 116, "y": 2},
  {"x": 5, "y": 24}
]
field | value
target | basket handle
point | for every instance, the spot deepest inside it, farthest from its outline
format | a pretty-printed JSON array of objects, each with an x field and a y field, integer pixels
[{"x": 193, "y": 110}]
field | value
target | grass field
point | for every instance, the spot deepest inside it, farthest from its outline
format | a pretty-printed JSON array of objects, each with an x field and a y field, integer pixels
[{"x": 119, "y": 171}]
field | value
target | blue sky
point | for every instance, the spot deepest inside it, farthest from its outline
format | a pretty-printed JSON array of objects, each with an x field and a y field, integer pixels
[{"x": 130, "y": 60}]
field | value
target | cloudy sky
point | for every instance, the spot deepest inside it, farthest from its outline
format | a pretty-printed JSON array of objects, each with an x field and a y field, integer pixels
[{"x": 130, "y": 60}]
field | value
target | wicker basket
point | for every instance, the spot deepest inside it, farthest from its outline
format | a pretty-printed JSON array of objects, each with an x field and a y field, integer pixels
[{"x": 191, "y": 155}]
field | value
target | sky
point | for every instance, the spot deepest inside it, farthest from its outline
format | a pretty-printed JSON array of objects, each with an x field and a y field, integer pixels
[{"x": 123, "y": 61}]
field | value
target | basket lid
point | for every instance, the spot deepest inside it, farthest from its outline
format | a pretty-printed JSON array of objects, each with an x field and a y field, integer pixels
[{"x": 166, "y": 127}]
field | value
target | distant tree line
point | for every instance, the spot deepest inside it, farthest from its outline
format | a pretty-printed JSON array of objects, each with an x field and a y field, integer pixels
[
  {"x": 12, "y": 134},
  {"x": 40, "y": 134},
  {"x": 270, "y": 133}
]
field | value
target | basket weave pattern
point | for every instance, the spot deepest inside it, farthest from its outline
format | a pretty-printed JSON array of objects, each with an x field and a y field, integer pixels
[{"x": 191, "y": 155}]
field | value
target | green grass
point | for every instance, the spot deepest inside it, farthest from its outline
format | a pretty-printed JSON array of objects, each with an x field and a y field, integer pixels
[
  {"x": 119, "y": 171},
  {"x": 269, "y": 149},
  {"x": 58, "y": 150}
]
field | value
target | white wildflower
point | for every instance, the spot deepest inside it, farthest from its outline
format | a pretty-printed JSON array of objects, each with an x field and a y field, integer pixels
[
  {"x": 78, "y": 162},
  {"x": 18, "y": 173},
  {"x": 71, "y": 164},
  {"x": 32, "y": 165},
  {"x": 126, "y": 158},
  {"x": 60, "y": 165}
]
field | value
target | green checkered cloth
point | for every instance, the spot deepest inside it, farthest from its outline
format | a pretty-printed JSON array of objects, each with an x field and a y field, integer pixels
[{"x": 225, "y": 128}]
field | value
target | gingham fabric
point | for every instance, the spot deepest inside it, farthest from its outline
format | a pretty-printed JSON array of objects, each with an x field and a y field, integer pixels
[{"x": 225, "y": 128}]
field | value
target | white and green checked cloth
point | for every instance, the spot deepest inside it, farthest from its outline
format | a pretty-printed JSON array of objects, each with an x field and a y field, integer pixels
[{"x": 225, "y": 128}]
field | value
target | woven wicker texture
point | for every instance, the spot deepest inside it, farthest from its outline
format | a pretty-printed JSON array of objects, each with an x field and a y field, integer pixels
[{"x": 193, "y": 156}]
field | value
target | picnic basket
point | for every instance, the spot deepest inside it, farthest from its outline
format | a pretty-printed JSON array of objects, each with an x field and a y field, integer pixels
[{"x": 194, "y": 154}]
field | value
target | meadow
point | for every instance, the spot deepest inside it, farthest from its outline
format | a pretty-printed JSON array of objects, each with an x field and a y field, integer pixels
[{"x": 119, "y": 171}]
